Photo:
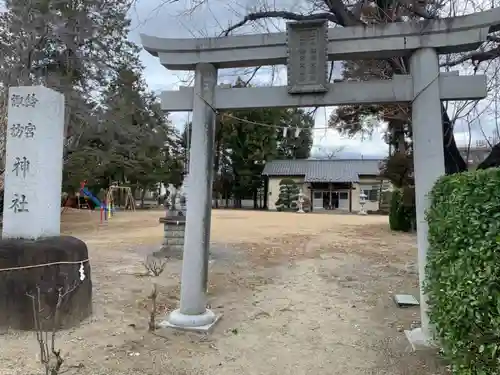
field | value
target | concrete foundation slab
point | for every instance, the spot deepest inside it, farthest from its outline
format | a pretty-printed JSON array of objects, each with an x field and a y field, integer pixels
[
  {"x": 405, "y": 300},
  {"x": 419, "y": 340},
  {"x": 207, "y": 328}
]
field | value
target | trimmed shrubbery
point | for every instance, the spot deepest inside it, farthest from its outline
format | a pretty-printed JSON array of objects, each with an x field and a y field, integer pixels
[
  {"x": 288, "y": 195},
  {"x": 463, "y": 270},
  {"x": 401, "y": 213}
]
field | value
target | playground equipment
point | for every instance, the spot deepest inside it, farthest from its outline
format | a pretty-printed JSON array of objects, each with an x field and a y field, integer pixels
[
  {"x": 106, "y": 207},
  {"x": 121, "y": 196}
]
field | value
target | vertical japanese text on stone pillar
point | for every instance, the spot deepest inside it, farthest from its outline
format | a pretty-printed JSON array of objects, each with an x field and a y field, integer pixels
[
  {"x": 20, "y": 165},
  {"x": 33, "y": 164}
]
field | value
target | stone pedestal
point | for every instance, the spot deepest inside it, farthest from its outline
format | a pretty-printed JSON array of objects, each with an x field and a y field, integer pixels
[
  {"x": 43, "y": 268},
  {"x": 173, "y": 236}
]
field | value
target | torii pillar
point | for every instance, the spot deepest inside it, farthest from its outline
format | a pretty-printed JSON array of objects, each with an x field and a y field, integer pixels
[
  {"x": 428, "y": 162},
  {"x": 192, "y": 313}
]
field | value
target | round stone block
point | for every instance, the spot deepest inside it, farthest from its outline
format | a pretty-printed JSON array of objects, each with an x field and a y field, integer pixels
[{"x": 43, "y": 269}]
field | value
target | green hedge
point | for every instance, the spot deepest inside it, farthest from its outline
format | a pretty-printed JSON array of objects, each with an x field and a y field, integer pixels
[
  {"x": 401, "y": 216},
  {"x": 463, "y": 270}
]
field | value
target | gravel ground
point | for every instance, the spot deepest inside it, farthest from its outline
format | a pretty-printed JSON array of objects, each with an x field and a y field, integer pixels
[{"x": 299, "y": 294}]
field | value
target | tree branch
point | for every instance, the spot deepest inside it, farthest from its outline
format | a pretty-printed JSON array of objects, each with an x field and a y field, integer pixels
[
  {"x": 345, "y": 17},
  {"x": 476, "y": 57},
  {"x": 418, "y": 10},
  {"x": 280, "y": 14}
]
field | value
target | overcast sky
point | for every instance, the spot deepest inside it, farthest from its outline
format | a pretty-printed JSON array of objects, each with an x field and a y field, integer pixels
[{"x": 153, "y": 17}]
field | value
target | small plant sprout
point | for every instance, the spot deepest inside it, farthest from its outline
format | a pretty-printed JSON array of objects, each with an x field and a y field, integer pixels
[
  {"x": 152, "y": 312},
  {"x": 154, "y": 266}
]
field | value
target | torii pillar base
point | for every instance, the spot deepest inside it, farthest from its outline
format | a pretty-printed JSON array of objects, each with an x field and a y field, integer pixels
[
  {"x": 193, "y": 323},
  {"x": 419, "y": 340}
]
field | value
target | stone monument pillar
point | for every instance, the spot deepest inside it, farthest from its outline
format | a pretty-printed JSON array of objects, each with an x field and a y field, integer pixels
[
  {"x": 31, "y": 247},
  {"x": 33, "y": 168}
]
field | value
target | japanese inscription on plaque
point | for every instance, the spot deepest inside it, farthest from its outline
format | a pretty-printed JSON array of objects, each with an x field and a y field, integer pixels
[{"x": 307, "y": 57}]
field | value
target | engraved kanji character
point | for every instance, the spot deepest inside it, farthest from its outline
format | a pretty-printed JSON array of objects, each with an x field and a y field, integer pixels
[
  {"x": 16, "y": 130},
  {"x": 21, "y": 165},
  {"x": 19, "y": 203}
]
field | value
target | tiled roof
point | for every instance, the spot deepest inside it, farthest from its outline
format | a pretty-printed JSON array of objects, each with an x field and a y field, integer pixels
[{"x": 338, "y": 170}]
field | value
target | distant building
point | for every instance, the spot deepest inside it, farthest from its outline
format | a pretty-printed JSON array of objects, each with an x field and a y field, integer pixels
[{"x": 331, "y": 184}]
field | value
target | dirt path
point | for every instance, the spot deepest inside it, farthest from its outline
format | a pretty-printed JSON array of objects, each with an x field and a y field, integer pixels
[{"x": 300, "y": 294}]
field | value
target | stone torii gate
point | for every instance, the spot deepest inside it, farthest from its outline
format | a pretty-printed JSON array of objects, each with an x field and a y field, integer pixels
[{"x": 306, "y": 48}]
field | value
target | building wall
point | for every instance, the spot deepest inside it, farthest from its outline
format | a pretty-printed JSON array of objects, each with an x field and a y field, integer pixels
[
  {"x": 344, "y": 198},
  {"x": 364, "y": 184},
  {"x": 245, "y": 203},
  {"x": 274, "y": 188},
  {"x": 368, "y": 184}
]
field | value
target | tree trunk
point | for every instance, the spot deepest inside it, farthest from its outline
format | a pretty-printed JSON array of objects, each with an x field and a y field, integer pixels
[
  {"x": 236, "y": 190},
  {"x": 216, "y": 195},
  {"x": 143, "y": 194},
  {"x": 217, "y": 162},
  {"x": 266, "y": 192},
  {"x": 453, "y": 161},
  {"x": 492, "y": 160}
]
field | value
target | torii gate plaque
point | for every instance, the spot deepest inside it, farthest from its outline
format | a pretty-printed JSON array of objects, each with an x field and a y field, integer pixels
[
  {"x": 426, "y": 86},
  {"x": 307, "y": 61}
]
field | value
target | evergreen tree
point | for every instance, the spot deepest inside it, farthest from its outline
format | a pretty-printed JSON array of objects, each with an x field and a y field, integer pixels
[
  {"x": 288, "y": 195},
  {"x": 77, "y": 47},
  {"x": 296, "y": 142}
]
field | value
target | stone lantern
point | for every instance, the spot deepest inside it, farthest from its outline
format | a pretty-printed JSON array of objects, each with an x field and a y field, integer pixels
[
  {"x": 362, "y": 202},
  {"x": 174, "y": 222},
  {"x": 300, "y": 202}
]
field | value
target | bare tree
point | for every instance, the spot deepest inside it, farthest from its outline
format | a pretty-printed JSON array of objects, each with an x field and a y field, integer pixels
[
  {"x": 79, "y": 48},
  {"x": 46, "y": 326},
  {"x": 154, "y": 266}
]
